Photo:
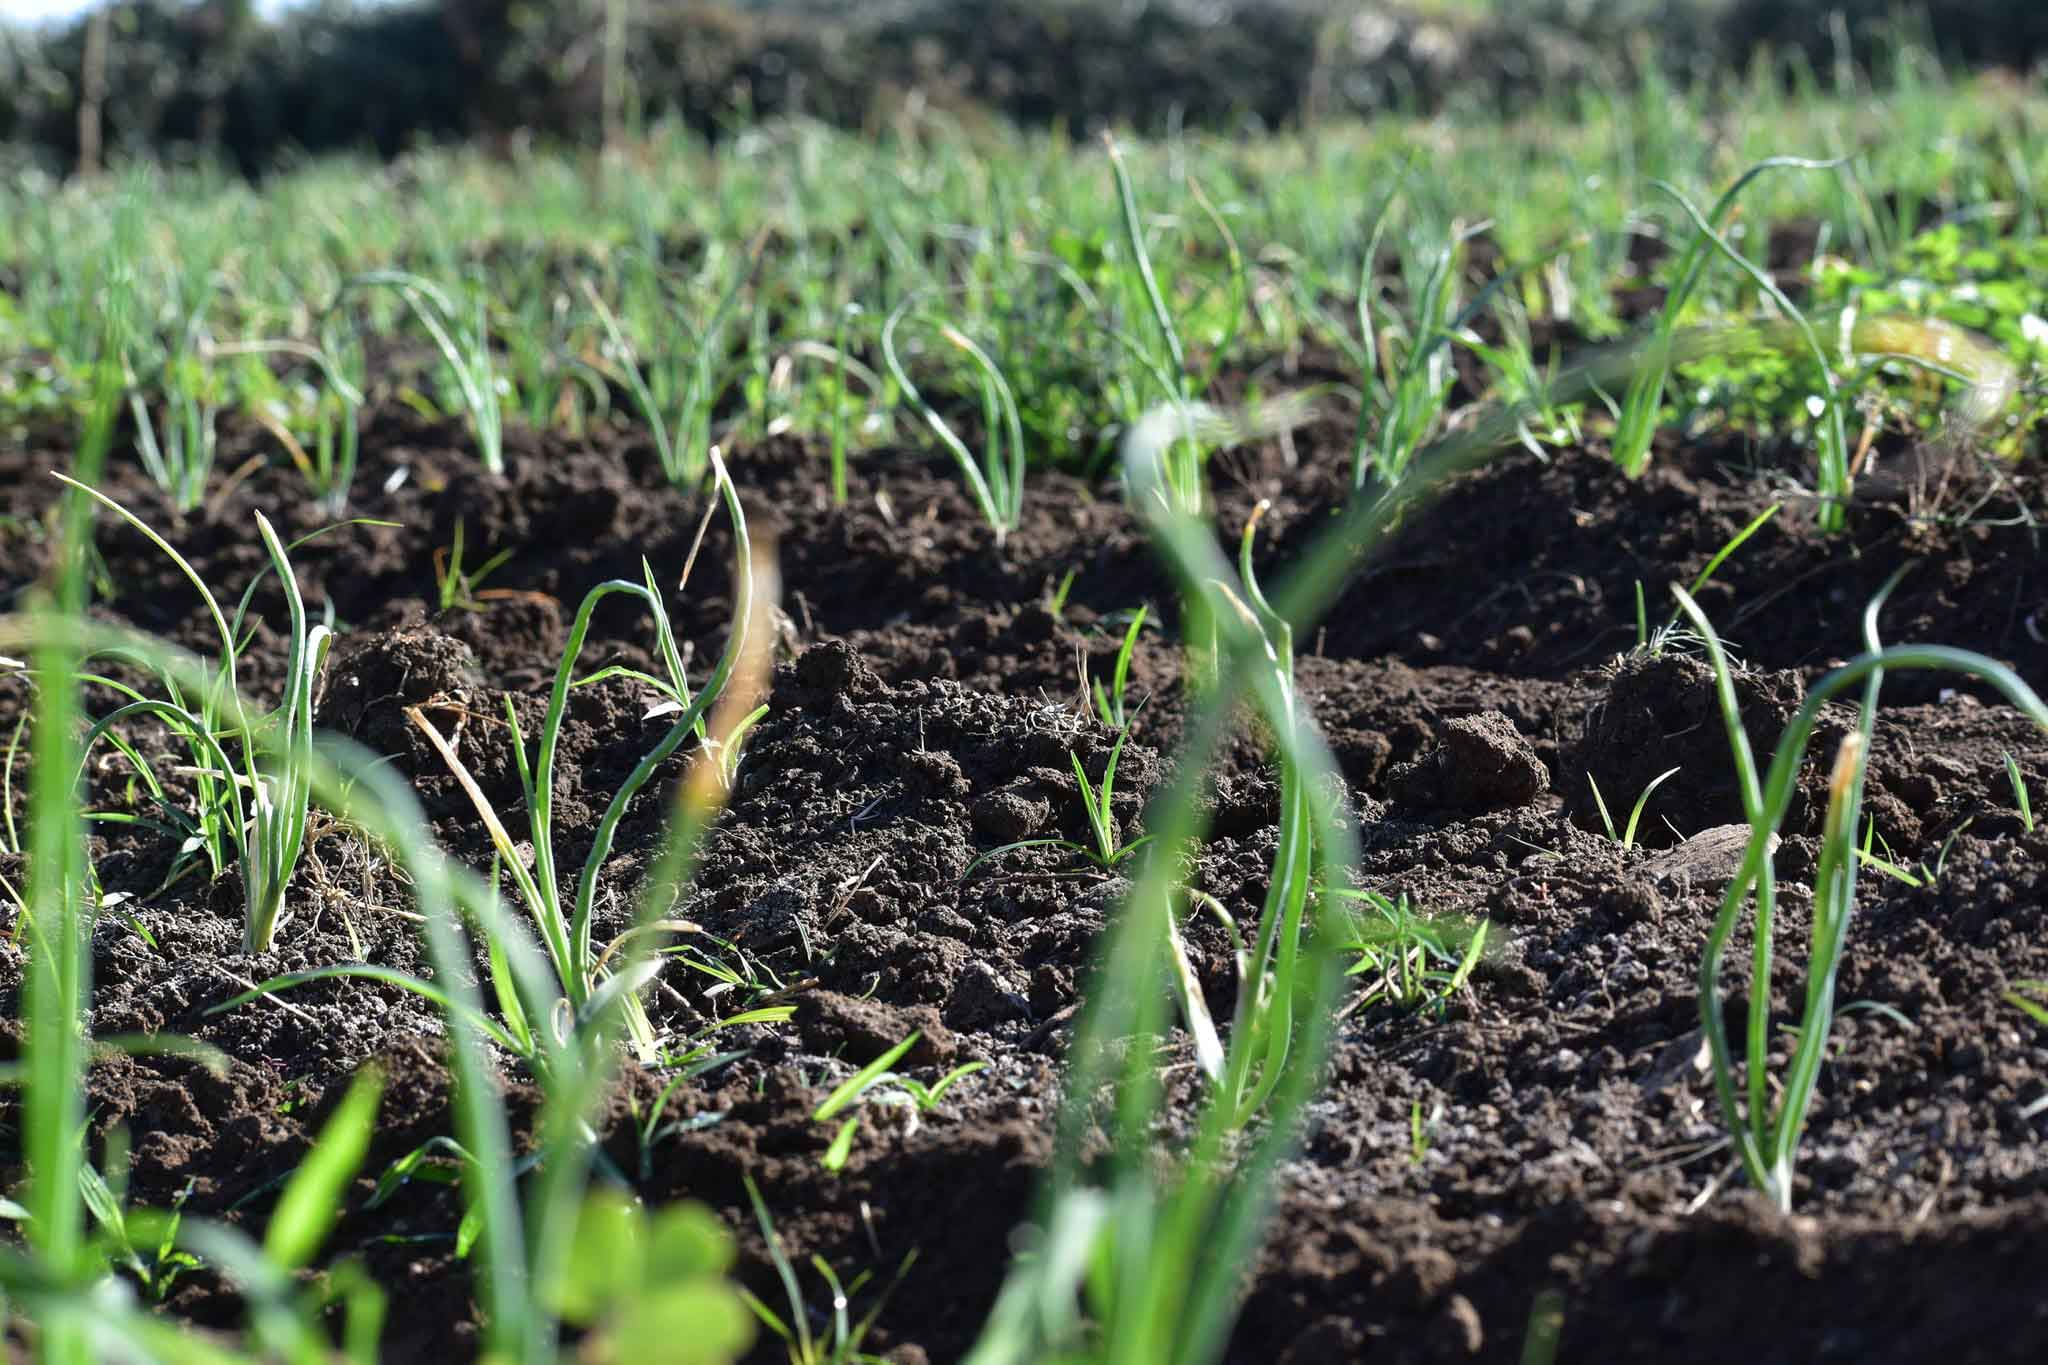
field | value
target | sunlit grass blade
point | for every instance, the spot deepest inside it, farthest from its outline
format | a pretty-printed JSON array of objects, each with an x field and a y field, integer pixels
[
  {"x": 1831, "y": 439},
  {"x": 306, "y": 1210},
  {"x": 1644, "y": 396},
  {"x": 466, "y": 350},
  {"x": 1766, "y": 1135},
  {"x": 995, "y": 479}
]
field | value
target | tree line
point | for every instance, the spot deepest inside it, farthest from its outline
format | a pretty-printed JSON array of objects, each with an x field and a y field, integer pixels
[{"x": 212, "y": 78}]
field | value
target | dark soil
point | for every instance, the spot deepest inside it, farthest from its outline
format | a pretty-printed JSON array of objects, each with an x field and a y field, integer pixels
[{"x": 924, "y": 713}]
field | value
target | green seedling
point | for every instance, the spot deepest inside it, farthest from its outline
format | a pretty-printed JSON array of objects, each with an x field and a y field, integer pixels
[
  {"x": 56, "y": 991},
  {"x": 841, "y": 362},
  {"x": 1888, "y": 864},
  {"x": 456, "y": 585},
  {"x": 1832, "y": 476},
  {"x": 1544, "y": 1333},
  {"x": 1262, "y": 1035},
  {"x": 10, "y": 837},
  {"x": 1643, "y": 400},
  {"x": 2031, "y": 999},
  {"x": 875, "y": 1082},
  {"x": 1140, "y": 279},
  {"x": 329, "y": 468},
  {"x": 563, "y": 1027},
  {"x": 652, "y": 1287},
  {"x": 466, "y": 350},
  {"x": 1104, "y": 851},
  {"x": 1109, "y": 702},
  {"x": 1411, "y": 961},
  {"x": 311, "y": 1200},
  {"x": 1550, "y": 425},
  {"x": 1131, "y": 1264},
  {"x": 926, "y": 1098},
  {"x": 1422, "y": 1131},
  {"x": 1766, "y": 1136},
  {"x": 1157, "y": 351},
  {"x": 337, "y": 440},
  {"x": 697, "y": 1057},
  {"x": 437, "y": 1161},
  {"x": 565, "y": 924},
  {"x": 545, "y": 380},
  {"x": 995, "y": 479},
  {"x": 1056, "y": 600},
  {"x": 1414, "y": 390},
  {"x": 672, "y": 685},
  {"x": 1405, "y": 364},
  {"x": 252, "y": 805},
  {"x": 141, "y": 1242},
  {"x": 287, "y": 1321},
  {"x": 803, "y": 1347},
  {"x": 840, "y": 1149},
  {"x": 1656, "y": 642},
  {"x": 732, "y": 748},
  {"x": 849, "y": 1092},
  {"x": 2021, "y": 801},
  {"x": 682, "y": 436},
  {"x": 1142, "y": 1248},
  {"x": 1627, "y": 836},
  {"x": 752, "y": 978},
  {"x": 51, "y": 1282},
  {"x": 179, "y": 453},
  {"x": 840, "y": 367}
]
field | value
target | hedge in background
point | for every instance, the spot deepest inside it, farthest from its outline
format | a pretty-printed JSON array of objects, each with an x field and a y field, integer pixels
[{"x": 185, "y": 75}]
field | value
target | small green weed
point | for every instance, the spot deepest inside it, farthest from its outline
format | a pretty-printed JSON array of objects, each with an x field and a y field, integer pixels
[
  {"x": 1407, "y": 959},
  {"x": 1105, "y": 850},
  {"x": 652, "y": 1287},
  {"x": 1109, "y": 702},
  {"x": 1422, "y": 1131},
  {"x": 455, "y": 584},
  {"x": 804, "y": 1347},
  {"x": 1671, "y": 633},
  {"x": 1626, "y": 837},
  {"x": 847, "y": 1093},
  {"x": 1767, "y": 1129},
  {"x": 876, "y": 1082},
  {"x": 2021, "y": 800}
]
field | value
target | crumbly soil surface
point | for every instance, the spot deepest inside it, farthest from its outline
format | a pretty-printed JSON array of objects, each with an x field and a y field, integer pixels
[{"x": 924, "y": 712}]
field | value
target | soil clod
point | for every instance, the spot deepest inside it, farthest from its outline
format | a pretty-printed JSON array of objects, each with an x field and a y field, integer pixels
[{"x": 1479, "y": 763}]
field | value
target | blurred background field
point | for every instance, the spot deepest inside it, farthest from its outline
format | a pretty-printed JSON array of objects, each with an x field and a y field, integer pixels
[
  {"x": 813, "y": 165},
  {"x": 258, "y": 82}
]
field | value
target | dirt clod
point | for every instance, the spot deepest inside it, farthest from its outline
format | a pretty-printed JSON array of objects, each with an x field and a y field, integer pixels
[
  {"x": 1478, "y": 763},
  {"x": 1657, "y": 712},
  {"x": 859, "y": 1031}
]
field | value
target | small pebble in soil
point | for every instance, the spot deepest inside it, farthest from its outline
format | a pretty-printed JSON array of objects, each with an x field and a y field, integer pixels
[{"x": 1706, "y": 861}]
